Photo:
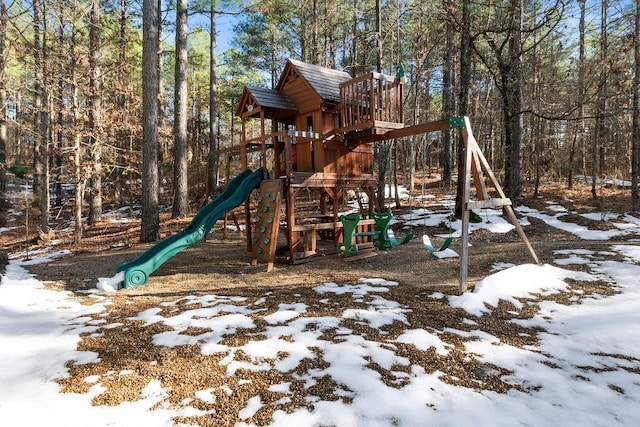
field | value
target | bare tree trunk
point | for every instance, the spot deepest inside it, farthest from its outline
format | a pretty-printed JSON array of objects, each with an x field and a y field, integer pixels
[
  {"x": 60, "y": 125},
  {"x": 448, "y": 84},
  {"x": 578, "y": 141},
  {"x": 635, "y": 133},
  {"x": 77, "y": 163},
  {"x": 180, "y": 178},
  {"x": 601, "y": 104},
  {"x": 123, "y": 133},
  {"x": 378, "y": 36},
  {"x": 161, "y": 99},
  {"x": 79, "y": 169},
  {"x": 213, "y": 160},
  {"x": 44, "y": 135},
  {"x": 536, "y": 132},
  {"x": 37, "y": 96},
  {"x": 150, "y": 228},
  {"x": 537, "y": 136},
  {"x": 513, "y": 108},
  {"x": 78, "y": 191},
  {"x": 4, "y": 206},
  {"x": 382, "y": 150},
  {"x": 95, "y": 114},
  {"x": 463, "y": 97},
  {"x": 329, "y": 38}
]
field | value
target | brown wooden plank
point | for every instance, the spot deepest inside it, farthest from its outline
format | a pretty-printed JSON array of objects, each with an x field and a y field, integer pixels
[
  {"x": 520, "y": 231},
  {"x": 490, "y": 203},
  {"x": 478, "y": 178}
]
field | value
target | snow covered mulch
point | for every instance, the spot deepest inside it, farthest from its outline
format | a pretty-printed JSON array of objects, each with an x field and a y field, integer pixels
[{"x": 363, "y": 354}]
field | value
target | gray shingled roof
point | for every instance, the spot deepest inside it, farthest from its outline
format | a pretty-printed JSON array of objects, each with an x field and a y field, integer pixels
[
  {"x": 269, "y": 98},
  {"x": 325, "y": 81}
]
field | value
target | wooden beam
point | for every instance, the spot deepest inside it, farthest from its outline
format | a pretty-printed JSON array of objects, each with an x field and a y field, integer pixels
[
  {"x": 322, "y": 180},
  {"x": 364, "y": 133},
  {"x": 439, "y": 125},
  {"x": 478, "y": 178}
]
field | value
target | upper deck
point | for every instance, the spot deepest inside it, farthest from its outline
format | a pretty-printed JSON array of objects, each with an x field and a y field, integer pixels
[{"x": 371, "y": 101}]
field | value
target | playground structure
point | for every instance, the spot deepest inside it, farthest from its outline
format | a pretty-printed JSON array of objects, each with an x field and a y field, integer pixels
[{"x": 315, "y": 134}]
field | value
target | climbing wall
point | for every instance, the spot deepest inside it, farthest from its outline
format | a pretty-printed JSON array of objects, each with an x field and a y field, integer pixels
[{"x": 267, "y": 223}]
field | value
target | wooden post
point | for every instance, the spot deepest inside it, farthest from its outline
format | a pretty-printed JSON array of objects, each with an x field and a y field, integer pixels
[
  {"x": 464, "y": 232},
  {"x": 263, "y": 140},
  {"x": 292, "y": 237},
  {"x": 243, "y": 144},
  {"x": 247, "y": 203}
]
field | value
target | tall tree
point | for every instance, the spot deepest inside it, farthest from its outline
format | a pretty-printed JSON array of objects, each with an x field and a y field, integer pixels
[
  {"x": 577, "y": 142},
  {"x": 448, "y": 86},
  {"x": 599, "y": 135},
  {"x": 212, "y": 160},
  {"x": 124, "y": 135},
  {"x": 74, "y": 64},
  {"x": 44, "y": 131},
  {"x": 503, "y": 36},
  {"x": 80, "y": 180},
  {"x": 3, "y": 115},
  {"x": 150, "y": 227},
  {"x": 262, "y": 43},
  {"x": 95, "y": 113},
  {"x": 463, "y": 94},
  {"x": 512, "y": 81},
  {"x": 180, "y": 177},
  {"x": 37, "y": 95},
  {"x": 635, "y": 111}
]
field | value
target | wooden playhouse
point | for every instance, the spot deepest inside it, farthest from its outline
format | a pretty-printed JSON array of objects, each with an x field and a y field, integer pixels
[{"x": 314, "y": 133}]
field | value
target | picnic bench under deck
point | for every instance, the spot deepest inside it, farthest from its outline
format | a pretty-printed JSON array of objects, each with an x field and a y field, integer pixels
[
  {"x": 318, "y": 230},
  {"x": 311, "y": 240}
]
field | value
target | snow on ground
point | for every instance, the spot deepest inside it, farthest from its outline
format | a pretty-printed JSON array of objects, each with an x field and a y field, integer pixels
[
  {"x": 585, "y": 370},
  {"x": 39, "y": 334}
]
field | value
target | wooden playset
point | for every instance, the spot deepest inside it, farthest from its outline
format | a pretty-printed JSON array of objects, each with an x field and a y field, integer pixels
[
  {"x": 314, "y": 137},
  {"x": 315, "y": 134}
]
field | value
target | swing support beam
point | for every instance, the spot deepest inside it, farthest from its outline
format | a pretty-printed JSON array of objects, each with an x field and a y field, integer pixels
[{"x": 477, "y": 167}]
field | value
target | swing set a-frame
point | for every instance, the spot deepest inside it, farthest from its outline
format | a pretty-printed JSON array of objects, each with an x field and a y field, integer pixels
[{"x": 315, "y": 134}]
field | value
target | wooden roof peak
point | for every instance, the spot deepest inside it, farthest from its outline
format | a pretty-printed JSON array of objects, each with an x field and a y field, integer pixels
[
  {"x": 324, "y": 81},
  {"x": 254, "y": 97}
]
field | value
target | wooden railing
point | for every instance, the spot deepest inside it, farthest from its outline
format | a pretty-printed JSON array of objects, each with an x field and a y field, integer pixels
[{"x": 371, "y": 100}]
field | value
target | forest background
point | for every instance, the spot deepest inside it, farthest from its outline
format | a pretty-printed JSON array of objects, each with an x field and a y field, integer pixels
[{"x": 128, "y": 98}]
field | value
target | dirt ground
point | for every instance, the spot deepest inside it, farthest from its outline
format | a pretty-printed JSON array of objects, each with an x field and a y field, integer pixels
[
  {"x": 222, "y": 267},
  {"x": 223, "y": 263}
]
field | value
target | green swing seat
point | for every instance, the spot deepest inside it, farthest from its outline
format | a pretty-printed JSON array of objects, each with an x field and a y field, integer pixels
[
  {"x": 383, "y": 237},
  {"x": 427, "y": 244}
]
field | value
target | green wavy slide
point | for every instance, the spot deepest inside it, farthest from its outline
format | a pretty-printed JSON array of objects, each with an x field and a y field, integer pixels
[{"x": 137, "y": 272}]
